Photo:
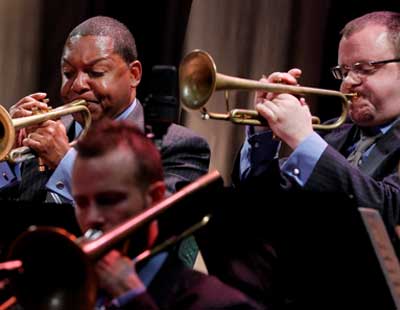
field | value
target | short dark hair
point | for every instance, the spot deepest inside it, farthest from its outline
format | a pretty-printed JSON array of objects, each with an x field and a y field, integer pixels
[
  {"x": 391, "y": 20},
  {"x": 108, "y": 135},
  {"x": 124, "y": 42}
]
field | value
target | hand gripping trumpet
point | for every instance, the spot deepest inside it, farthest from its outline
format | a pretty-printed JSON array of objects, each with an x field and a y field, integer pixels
[{"x": 9, "y": 127}]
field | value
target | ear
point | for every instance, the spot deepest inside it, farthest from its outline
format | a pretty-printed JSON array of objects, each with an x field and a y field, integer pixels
[
  {"x": 155, "y": 193},
  {"x": 135, "y": 68}
]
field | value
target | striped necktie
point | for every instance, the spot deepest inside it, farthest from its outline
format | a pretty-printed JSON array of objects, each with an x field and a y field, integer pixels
[{"x": 355, "y": 157}]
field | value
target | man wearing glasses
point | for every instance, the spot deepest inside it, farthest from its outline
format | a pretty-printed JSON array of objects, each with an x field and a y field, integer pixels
[{"x": 358, "y": 160}]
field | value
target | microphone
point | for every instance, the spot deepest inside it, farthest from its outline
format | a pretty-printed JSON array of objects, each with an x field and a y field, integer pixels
[{"x": 161, "y": 106}]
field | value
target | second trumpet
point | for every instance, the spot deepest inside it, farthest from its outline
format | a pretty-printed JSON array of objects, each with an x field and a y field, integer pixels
[{"x": 198, "y": 79}]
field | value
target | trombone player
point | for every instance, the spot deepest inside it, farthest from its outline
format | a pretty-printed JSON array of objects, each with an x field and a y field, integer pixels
[
  {"x": 116, "y": 175},
  {"x": 360, "y": 159}
]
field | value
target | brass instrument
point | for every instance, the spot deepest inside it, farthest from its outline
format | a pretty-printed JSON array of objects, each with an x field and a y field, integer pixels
[
  {"x": 198, "y": 79},
  {"x": 57, "y": 268},
  {"x": 9, "y": 126}
]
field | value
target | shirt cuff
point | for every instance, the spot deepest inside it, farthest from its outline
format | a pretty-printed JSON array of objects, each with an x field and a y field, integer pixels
[
  {"x": 257, "y": 150},
  {"x": 60, "y": 180},
  {"x": 7, "y": 176},
  {"x": 301, "y": 163}
]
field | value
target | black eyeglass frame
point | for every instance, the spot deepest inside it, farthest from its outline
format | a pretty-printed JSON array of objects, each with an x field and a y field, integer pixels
[{"x": 338, "y": 74}]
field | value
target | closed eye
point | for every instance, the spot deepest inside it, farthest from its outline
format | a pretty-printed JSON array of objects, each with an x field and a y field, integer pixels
[
  {"x": 69, "y": 74},
  {"x": 95, "y": 74},
  {"x": 110, "y": 198}
]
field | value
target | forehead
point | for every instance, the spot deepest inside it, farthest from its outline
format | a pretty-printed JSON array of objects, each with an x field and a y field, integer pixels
[
  {"x": 369, "y": 44},
  {"x": 89, "y": 48},
  {"x": 112, "y": 171}
]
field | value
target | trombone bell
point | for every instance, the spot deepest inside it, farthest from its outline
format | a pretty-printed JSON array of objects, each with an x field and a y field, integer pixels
[
  {"x": 198, "y": 79},
  {"x": 44, "y": 251}
]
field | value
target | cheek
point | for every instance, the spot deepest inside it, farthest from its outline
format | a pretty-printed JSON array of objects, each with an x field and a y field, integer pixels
[
  {"x": 79, "y": 214},
  {"x": 378, "y": 95},
  {"x": 116, "y": 215},
  {"x": 118, "y": 87}
]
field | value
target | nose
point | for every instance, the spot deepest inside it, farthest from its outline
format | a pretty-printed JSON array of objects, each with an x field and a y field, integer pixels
[
  {"x": 80, "y": 84},
  {"x": 351, "y": 80},
  {"x": 94, "y": 217}
]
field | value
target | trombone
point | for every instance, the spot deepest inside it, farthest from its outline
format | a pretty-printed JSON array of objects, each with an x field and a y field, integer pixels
[
  {"x": 198, "y": 79},
  {"x": 42, "y": 253},
  {"x": 9, "y": 127}
]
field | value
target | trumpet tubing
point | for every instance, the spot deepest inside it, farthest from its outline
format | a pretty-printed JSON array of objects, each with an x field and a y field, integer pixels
[
  {"x": 199, "y": 79},
  {"x": 9, "y": 127}
]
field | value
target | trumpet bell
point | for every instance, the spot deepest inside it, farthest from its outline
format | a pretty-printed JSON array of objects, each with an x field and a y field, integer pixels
[
  {"x": 7, "y": 133},
  {"x": 197, "y": 79}
]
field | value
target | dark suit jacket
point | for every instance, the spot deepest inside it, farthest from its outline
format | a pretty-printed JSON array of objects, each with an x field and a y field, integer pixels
[
  {"x": 375, "y": 184},
  {"x": 185, "y": 157},
  {"x": 178, "y": 287},
  {"x": 274, "y": 264}
]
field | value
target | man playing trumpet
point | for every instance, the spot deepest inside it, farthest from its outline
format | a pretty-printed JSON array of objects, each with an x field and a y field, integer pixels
[
  {"x": 99, "y": 64},
  {"x": 359, "y": 159}
]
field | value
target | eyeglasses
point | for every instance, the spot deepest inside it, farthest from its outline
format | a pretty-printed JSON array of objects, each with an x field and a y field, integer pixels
[{"x": 361, "y": 68}]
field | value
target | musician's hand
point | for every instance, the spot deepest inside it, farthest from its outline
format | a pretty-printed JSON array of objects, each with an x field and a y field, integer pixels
[
  {"x": 288, "y": 78},
  {"x": 289, "y": 118},
  {"x": 117, "y": 274},
  {"x": 49, "y": 141},
  {"x": 25, "y": 105},
  {"x": 24, "y": 108}
]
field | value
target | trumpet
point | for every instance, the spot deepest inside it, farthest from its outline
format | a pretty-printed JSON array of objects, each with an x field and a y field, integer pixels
[
  {"x": 199, "y": 79},
  {"x": 9, "y": 127},
  {"x": 42, "y": 252}
]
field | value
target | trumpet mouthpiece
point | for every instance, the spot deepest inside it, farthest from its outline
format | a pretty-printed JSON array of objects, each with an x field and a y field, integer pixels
[{"x": 352, "y": 97}]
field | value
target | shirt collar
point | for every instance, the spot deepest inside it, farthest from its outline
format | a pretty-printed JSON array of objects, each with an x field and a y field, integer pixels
[
  {"x": 382, "y": 129},
  {"x": 150, "y": 269}
]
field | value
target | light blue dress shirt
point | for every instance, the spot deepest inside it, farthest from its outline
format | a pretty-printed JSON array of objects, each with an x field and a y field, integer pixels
[
  {"x": 259, "y": 148},
  {"x": 60, "y": 180}
]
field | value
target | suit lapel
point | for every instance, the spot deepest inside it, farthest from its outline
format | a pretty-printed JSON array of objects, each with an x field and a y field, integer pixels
[
  {"x": 383, "y": 150},
  {"x": 342, "y": 138}
]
